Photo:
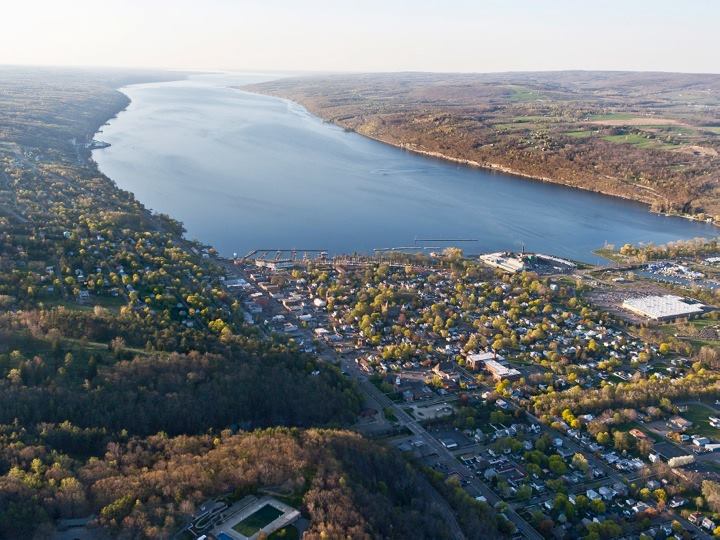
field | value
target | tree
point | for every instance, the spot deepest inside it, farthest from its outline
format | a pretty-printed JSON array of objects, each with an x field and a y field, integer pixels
[
  {"x": 557, "y": 465},
  {"x": 524, "y": 492},
  {"x": 580, "y": 462},
  {"x": 711, "y": 493}
]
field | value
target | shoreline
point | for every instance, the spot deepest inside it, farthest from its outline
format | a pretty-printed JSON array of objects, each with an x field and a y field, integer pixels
[
  {"x": 490, "y": 167},
  {"x": 496, "y": 167},
  {"x": 127, "y": 101}
]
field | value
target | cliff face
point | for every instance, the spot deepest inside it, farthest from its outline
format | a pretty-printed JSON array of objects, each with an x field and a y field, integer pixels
[{"x": 653, "y": 138}]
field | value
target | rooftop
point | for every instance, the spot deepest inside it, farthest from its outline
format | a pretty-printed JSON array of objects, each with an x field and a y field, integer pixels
[{"x": 663, "y": 307}]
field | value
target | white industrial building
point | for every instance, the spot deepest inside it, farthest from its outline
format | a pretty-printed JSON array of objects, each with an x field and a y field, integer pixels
[
  {"x": 504, "y": 261},
  {"x": 663, "y": 307}
]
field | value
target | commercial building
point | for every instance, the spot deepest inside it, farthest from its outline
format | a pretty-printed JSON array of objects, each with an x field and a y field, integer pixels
[
  {"x": 500, "y": 371},
  {"x": 504, "y": 261},
  {"x": 477, "y": 361},
  {"x": 664, "y": 307}
]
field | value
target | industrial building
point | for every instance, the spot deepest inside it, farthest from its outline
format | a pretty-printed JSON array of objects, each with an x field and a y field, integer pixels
[
  {"x": 664, "y": 307},
  {"x": 532, "y": 262},
  {"x": 504, "y": 261}
]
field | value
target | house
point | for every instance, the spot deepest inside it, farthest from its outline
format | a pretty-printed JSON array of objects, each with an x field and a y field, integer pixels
[
  {"x": 677, "y": 502},
  {"x": 446, "y": 371},
  {"x": 592, "y": 495},
  {"x": 606, "y": 493},
  {"x": 679, "y": 423},
  {"x": 639, "y": 435},
  {"x": 640, "y": 507}
]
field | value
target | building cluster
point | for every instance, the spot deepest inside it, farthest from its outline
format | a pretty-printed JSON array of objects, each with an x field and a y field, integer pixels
[{"x": 466, "y": 352}]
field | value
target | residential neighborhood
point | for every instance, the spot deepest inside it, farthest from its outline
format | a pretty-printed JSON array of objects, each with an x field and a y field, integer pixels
[{"x": 470, "y": 369}]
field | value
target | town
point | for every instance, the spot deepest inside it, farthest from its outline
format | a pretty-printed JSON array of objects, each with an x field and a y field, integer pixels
[{"x": 505, "y": 375}]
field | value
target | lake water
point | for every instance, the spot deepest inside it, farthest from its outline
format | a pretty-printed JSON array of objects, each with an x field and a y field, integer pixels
[{"x": 245, "y": 172}]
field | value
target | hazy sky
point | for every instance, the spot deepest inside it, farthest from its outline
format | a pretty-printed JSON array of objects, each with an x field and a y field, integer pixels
[{"x": 365, "y": 35}]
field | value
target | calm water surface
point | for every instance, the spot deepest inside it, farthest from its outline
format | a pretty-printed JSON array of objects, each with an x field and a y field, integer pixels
[{"x": 244, "y": 171}]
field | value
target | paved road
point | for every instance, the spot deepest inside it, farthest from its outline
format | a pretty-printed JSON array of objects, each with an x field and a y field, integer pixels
[
  {"x": 449, "y": 460},
  {"x": 445, "y": 456}
]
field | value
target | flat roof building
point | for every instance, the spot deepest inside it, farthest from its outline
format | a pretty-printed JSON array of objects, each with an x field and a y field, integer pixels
[
  {"x": 477, "y": 360},
  {"x": 503, "y": 261},
  {"x": 500, "y": 371},
  {"x": 663, "y": 307}
]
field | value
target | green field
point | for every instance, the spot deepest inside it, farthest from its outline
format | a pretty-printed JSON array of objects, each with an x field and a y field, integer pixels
[
  {"x": 639, "y": 141},
  {"x": 257, "y": 520},
  {"x": 515, "y": 126},
  {"x": 698, "y": 415},
  {"x": 613, "y": 116},
  {"x": 520, "y": 93}
]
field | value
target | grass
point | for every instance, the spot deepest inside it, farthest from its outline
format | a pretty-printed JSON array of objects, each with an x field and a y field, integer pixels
[
  {"x": 286, "y": 533},
  {"x": 532, "y": 118},
  {"x": 611, "y": 255},
  {"x": 671, "y": 329},
  {"x": 613, "y": 116},
  {"x": 257, "y": 520},
  {"x": 515, "y": 126},
  {"x": 579, "y": 134},
  {"x": 520, "y": 93},
  {"x": 389, "y": 414},
  {"x": 712, "y": 129},
  {"x": 638, "y": 140},
  {"x": 698, "y": 415}
]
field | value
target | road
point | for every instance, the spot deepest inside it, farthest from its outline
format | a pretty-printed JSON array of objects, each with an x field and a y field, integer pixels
[{"x": 445, "y": 456}]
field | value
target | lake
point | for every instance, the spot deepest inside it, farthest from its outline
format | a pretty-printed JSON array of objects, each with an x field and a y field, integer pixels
[{"x": 244, "y": 171}]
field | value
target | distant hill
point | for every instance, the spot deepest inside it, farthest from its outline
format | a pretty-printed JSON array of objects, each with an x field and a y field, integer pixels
[{"x": 650, "y": 137}]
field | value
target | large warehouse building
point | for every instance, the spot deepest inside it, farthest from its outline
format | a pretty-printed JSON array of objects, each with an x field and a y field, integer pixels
[{"x": 664, "y": 307}]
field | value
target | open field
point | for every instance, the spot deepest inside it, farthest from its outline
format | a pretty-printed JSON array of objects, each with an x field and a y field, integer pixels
[
  {"x": 638, "y": 140},
  {"x": 630, "y": 120},
  {"x": 698, "y": 415}
]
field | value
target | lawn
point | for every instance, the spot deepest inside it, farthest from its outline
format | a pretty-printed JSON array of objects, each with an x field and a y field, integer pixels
[
  {"x": 698, "y": 415},
  {"x": 696, "y": 341},
  {"x": 612, "y": 255},
  {"x": 257, "y": 520}
]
